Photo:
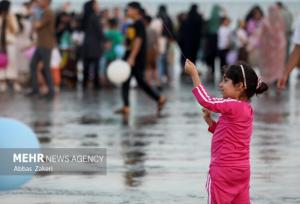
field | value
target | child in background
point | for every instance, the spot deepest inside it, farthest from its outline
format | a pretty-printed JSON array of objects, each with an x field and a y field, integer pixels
[
  {"x": 229, "y": 171},
  {"x": 224, "y": 41},
  {"x": 242, "y": 41},
  {"x": 114, "y": 36},
  {"x": 115, "y": 40}
]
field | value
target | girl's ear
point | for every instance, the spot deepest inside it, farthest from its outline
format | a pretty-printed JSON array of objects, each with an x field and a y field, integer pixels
[{"x": 239, "y": 86}]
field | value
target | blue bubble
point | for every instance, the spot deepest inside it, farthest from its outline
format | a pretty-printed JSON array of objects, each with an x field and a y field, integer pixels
[
  {"x": 120, "y": 51},
  {"x": 14, "y": 134}
]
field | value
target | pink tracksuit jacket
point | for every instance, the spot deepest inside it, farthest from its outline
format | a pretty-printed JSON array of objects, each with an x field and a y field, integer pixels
[{"x": 229, "y": 174}]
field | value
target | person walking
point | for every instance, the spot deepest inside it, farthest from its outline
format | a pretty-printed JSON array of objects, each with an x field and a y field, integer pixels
[{"x": 136, "y": 57}]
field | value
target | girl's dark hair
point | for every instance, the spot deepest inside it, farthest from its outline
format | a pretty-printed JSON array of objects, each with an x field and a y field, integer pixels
[{"x": 235, "y": 73}]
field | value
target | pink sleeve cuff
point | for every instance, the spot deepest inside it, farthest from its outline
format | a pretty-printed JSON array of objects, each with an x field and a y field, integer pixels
[{"x": 213, "y": 127}]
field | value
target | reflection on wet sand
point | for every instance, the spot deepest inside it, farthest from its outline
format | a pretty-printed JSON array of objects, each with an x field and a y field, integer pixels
[{"x": 134, "y": 146}]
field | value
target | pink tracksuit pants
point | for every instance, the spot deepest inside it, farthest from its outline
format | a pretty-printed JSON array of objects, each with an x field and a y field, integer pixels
[{"x": 228, "y": 185}]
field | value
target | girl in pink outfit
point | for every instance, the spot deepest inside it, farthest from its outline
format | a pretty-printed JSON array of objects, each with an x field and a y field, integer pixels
[{"x": 229, "y": 171}]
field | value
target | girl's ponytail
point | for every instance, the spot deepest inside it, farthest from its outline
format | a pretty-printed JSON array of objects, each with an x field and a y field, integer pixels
[{"x": 262, "y": 87}]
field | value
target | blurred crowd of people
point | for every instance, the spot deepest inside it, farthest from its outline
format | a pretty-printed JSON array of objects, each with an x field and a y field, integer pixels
[
  {"x": 262, "y": 40},
  {"x": 47, "y": 50}
]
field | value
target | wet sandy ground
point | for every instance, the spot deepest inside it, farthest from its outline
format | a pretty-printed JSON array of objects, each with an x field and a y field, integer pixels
[{"x": 154, "y": 159}]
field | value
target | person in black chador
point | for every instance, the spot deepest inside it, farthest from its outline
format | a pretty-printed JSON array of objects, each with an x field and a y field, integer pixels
[
  {"x": 136, "y": 57},
  {"x": 92, "y": 43},
  {"x": 189, "y": 35}
]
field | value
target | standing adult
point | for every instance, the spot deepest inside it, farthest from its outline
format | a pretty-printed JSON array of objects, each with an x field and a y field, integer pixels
[
  {"x": 136, "y": 57},
  {"x": 294, "y": 59},
  {"x": 92, "y": 47},
  {"x": 165, "y": 41},
  {"x": 253, "y": 21},
  {"x": 152, "y": 52},
  {"x": 190, "y": 34},
  {"x": 24, "y": 41},
  {"x": 211, "y": 42},
  {"x": 45, "y": 29},
  {"x": 9, "y": 29},
  {"x": 272, "y": 60}
]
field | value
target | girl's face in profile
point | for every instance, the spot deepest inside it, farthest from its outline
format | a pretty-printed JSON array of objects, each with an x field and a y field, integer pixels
[{"x": 230, "y": 90}]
